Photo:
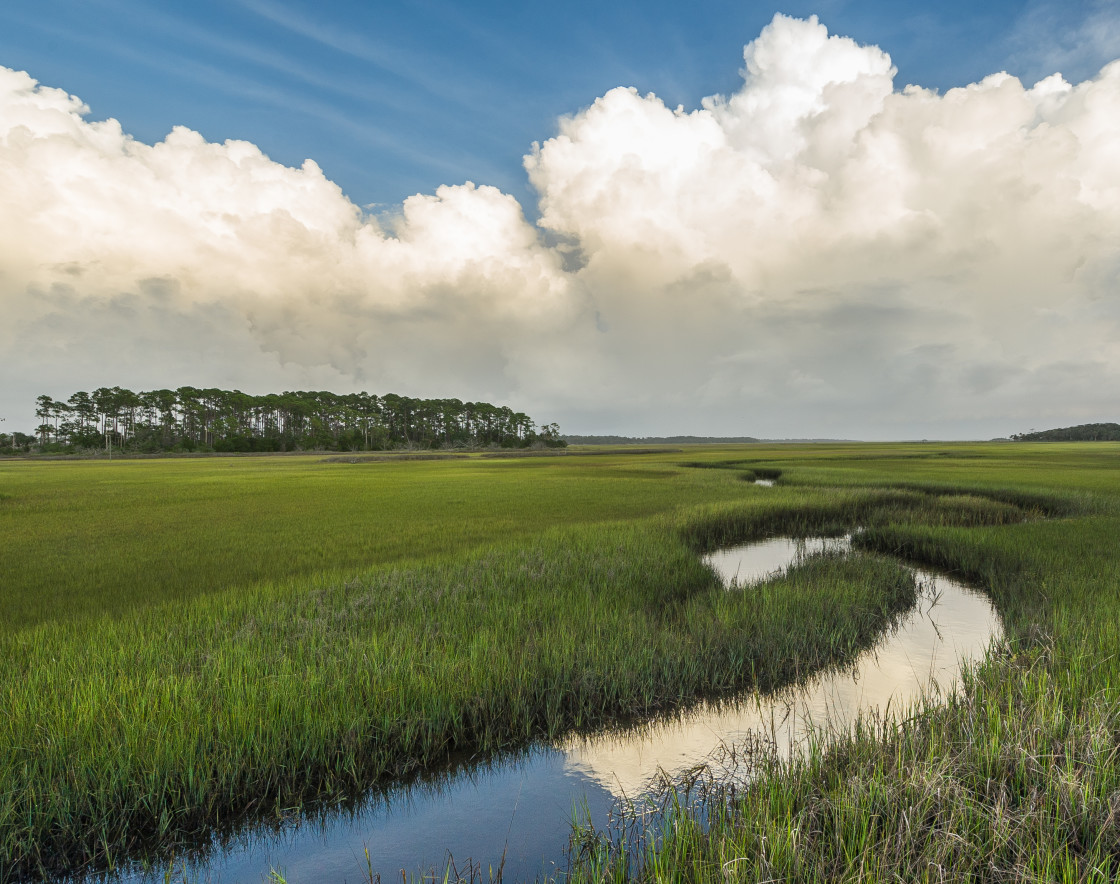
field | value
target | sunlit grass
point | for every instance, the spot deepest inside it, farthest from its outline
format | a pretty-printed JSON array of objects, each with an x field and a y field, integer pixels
[
  {"x": 190, "y": 642},
  {"x": 95, "y": 537}
]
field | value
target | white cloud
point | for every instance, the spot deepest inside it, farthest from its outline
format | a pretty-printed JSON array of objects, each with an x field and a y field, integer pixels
[{"x": 814, "y": 254}]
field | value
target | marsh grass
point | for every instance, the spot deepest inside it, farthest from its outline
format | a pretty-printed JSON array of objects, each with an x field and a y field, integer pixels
[
  {"x": 998, "y": 783},
  {"x": 88, "y": 538},
  {"x": 1016, "y": 777},
  {"x": 154, "y": 727},
  {"x": 144, "y": 709}
]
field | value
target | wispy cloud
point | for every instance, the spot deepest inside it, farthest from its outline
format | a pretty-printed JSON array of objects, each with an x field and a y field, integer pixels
[
  {"x": 422, "y": 70},
  {"x": 356, "y": 116},
  {"x": 1074, "y": 38},
  {"x": 288, "y": 66}
]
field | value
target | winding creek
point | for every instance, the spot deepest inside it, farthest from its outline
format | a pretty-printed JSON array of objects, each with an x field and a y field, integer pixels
[{"x": 522, "y": 805}]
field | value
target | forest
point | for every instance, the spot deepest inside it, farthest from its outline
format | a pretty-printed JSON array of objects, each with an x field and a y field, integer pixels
[
  {"x": 1081, "y": 433},
  {"x": 190, "y": 419}
]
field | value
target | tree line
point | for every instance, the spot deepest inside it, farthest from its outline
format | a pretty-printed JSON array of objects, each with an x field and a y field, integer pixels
[
  {"x": 193, "y": 419},
  {"x": 1081, "y": 433}
]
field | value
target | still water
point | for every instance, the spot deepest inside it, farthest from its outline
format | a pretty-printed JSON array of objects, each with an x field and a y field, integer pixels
[{"x": 521, "y": 807}]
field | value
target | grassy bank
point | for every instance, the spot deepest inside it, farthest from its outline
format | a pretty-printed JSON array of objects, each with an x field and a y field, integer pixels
[
  {"x": 253, "y": 634},
  {"x": 1016, "y": 779}
]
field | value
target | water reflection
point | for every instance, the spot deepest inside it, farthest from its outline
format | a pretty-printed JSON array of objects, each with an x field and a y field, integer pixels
[
  {"x": 517, "y": 813},
  {"x": 950, "y": 623},
  {"x": 753, "y": 562},
  {"x": 522, "y": 807}
]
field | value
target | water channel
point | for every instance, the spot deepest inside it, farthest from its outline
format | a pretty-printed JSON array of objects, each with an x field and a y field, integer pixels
[{"x": 522, "y": 806}]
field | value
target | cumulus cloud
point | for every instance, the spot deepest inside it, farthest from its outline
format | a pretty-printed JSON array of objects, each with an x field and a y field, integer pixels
[{"x": 817, "y": 253}]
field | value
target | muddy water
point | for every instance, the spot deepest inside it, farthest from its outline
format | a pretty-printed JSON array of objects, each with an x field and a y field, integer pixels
[{"x": 521, "y": 807}]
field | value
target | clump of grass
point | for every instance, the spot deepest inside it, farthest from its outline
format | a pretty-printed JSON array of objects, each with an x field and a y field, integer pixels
[
  {"x": 1035, "y": 503},
  {"x": 737, "y": 466},
  {"x": 803, "y": 513}
]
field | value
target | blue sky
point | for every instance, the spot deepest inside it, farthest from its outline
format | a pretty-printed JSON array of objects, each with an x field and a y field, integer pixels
[
  {"x": 393, "y": 99},
  {"x": 817, "y": 251}
]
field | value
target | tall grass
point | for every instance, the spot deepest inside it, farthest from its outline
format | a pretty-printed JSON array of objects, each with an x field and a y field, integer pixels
[
  {"x": 358, "y": 622},
  {"x": 1016, "y": 778},
  {"x": 149, "y": 727}
]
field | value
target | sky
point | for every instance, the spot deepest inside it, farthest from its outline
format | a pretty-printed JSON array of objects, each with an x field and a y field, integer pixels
[{"x": 850, "y": 218}]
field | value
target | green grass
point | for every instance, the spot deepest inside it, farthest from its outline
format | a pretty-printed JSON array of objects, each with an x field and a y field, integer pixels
[
  {"x": 190, "y": 642},
  {"x": 89, "y": 537},
  {"x": 162, "y": 724},
  {"x": 1015, "y": 779}
]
